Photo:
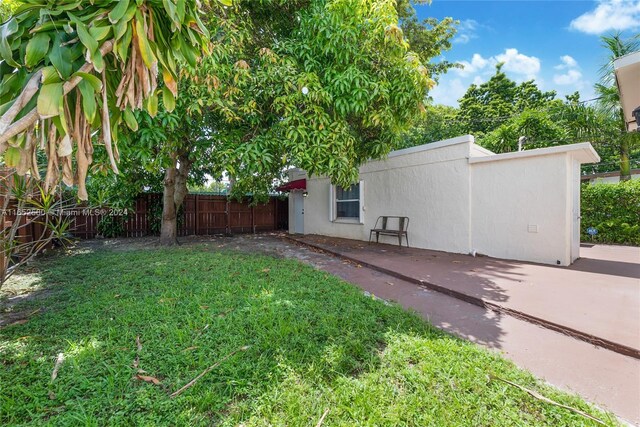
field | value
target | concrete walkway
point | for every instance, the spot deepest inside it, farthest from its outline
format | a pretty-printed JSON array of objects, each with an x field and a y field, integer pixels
[
  {"x": 607, "y": 378},
  {"x": 597, "y": 299}
]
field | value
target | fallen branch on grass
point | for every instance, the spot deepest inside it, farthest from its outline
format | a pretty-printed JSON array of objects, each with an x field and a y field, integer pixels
[
  {"x": 322, "y": 418},
  {"x": 206, "y": 371},
  {"x": 549, "y": 401},
  {"x": 136, "y": 361},
  {"x": 57, "y": 366}
]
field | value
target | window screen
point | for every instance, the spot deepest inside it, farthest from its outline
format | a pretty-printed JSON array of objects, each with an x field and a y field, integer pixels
[{"x": 348, "y": 201}]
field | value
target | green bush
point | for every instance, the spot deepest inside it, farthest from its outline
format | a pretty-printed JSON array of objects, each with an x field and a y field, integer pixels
[
  {"x": 111, "y": 226},
  {"x": 612, "y": 209}
]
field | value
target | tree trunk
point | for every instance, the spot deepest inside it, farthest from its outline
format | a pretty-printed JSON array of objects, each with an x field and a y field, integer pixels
[
  {"x": 181, "y": 190},
  {"x": 625, "y": 165},
  {"x": 169, "y": 229},
  {"x": 175, "y": 190}
]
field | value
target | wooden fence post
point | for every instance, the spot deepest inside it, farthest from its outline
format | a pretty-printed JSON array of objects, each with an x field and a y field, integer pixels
[
  {"x": 253, "y": 219},
  {"x": 227, "y": 216},
  {"x": 197, "y": 221}
]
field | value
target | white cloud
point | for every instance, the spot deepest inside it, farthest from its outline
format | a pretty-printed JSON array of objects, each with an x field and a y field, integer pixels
[
  {"x": 567, "y": 62},
  {"x": 448, "y": 91},
  {"x": 477, "y": 64},
  {"x": 609, "y": 15},
  {"x": 565, "y": 76},
  {"x": 466, "y": 31},
  {"x": 514, "y": 62},
  {"x": 518, "y": 63},
  {"x": 571, "y": 77}
]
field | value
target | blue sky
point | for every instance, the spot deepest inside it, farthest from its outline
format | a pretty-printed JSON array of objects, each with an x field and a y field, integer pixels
[{"x": 556, "y": 43}]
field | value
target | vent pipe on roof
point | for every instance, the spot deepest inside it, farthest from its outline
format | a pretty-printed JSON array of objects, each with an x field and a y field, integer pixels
[{"x": 521, "y": 142}]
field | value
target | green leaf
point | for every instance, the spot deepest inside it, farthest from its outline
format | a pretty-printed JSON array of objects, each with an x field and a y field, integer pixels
[
  {"x": 151, "y": 104},
  {"x": 37, "y": 48},
  {"x": 50, "y": 75},
  {"x": 61, "y": 58},
  {"x": 98, "y": 61},
  {"x": 125, "y": 44},
  {"x": 12, "y": 157},
  {"x": 189, "y": 54},
  {"x": 50, "y": 99},
  {"x": 89, "y": 105},
  {"x": 85, "y": 37},
  {"x": 120, "y": 29},
  {"x": 130, "y": 119},
  {"x": 143, "y": 43},
  {"x": 168, "y": 99},
  {"x": 228, "y": 3},
  {"x": 100, "y": 33},
  {"x": 118, "y": 11},
  {"x": 171, "y": 10},
  {"x": 10, "y": 27},
  {"x": 91, "y": 79}
]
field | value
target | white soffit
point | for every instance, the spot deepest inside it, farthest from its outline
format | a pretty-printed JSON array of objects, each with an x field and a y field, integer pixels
[{"x": 627, "y": 69}]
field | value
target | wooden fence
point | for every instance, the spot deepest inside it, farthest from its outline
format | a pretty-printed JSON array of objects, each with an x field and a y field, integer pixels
[{"x": 201, "y": 215}]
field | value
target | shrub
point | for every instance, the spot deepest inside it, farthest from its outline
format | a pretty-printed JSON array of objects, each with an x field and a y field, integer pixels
[
  {"x": 613, "y": 210},
  {"x": 111, "y": 226}
]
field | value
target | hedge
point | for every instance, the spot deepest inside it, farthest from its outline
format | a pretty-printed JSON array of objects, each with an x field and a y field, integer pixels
[{"x": 613, "y": 210}]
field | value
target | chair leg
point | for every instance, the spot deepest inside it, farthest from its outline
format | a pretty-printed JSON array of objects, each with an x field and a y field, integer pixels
[
  {"x": 407, "y": 237},
  {"x": 377, "y": 237},
  {"x": 400, "y": 240}
]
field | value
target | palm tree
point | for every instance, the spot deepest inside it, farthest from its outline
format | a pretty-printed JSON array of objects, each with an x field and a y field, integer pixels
[{"x": 609, "y": 95}]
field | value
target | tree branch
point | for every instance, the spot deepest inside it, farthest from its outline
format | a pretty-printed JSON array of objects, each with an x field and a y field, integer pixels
[
  {"x": 33, "y": 116},
  {"x": 25, "y": 96}
]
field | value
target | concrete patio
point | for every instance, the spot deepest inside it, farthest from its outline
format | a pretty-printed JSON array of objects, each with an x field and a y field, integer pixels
[
  {"x": 596, "y": 300},
  {"x": 608, "y": 378}
]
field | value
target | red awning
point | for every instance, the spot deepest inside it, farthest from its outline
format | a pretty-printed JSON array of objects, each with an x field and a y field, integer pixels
[{"x": 300, "y": 184}]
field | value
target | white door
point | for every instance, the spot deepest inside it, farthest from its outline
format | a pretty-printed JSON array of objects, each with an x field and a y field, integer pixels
[
  {"x": 575, "y": 211},
  {"x": 298, "y": 211}
]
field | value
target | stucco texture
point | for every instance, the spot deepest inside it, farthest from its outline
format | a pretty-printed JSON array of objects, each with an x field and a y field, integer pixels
[{"x": 462, "y": 198}]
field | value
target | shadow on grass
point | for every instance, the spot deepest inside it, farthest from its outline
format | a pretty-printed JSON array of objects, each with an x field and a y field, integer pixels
[
  {"x": 457, "y": 276},
  {"x": 315, "y": 343}
]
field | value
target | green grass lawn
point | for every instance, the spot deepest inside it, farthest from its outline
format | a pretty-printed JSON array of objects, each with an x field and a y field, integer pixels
[{"x": 316, "y": 343}]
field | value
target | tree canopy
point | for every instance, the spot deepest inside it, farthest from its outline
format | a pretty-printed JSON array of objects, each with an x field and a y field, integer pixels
[
  {"x": 500, "y": 111},
  {"x": 486, "y": 106},
  {"x": 323, "y": 86},
  {"x": 71, "y": 67}
]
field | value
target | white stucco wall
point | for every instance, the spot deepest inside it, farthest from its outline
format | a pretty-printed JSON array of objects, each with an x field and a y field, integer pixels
[
  {"x": 513, "y": 217},
  {"x": 462, "y": 198},
  {"x": 408, "y": 183}
]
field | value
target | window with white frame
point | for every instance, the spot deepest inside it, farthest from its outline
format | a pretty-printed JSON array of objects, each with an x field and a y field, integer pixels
[{"x": 346, "y": 203}]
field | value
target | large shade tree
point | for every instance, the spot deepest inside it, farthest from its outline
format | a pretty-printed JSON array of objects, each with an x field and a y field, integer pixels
[{"x": 321, "y": 85}]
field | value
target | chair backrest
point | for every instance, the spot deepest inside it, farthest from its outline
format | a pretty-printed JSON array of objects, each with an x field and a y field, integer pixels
[{"x": 402, "y": 223}]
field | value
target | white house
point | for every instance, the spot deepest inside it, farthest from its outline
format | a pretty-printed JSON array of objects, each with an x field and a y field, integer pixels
[{"x": 459, "y": 197}]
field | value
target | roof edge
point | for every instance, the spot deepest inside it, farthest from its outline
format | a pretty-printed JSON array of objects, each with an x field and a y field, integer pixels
[
  {"x": 463, "y": 139},
  {"x": 583, "y": 151}
]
